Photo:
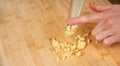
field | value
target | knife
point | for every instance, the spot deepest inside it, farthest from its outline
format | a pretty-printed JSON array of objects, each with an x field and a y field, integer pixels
[
  {"x": 75, "y": 8},
  {"x": 74, "y": 11}
]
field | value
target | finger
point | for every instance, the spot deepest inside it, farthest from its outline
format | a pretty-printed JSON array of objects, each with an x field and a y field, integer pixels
[
  {"x": 112, "y": 39},
  {"x": 99, "y": 28},
  {"x": 93, "y": 18},
  {"x": 99, "y": 8},
  {"x": 102, "y": 35}
]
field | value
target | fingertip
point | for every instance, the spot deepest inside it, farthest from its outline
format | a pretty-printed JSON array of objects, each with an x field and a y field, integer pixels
[
  {"x": 106, "y": 43},
  {"x": 93, "y": 32},
  {"x": 95, "y": 7},
  {"x": 91, "y": 4},
  {"x": 82, "y": 19},
  {"x": 98, "y": 38},
  {"x": 73, "y": 21},
  {"x": 69, "y": 22}
]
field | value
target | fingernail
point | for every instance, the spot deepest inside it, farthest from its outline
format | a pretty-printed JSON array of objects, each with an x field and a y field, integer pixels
[
  {"x": 105, "y": 42},
  {"x": 90, "y": 3},
  {"x": 97, "y": 37}
]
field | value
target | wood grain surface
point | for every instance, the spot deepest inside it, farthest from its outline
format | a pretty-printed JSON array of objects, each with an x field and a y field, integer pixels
[{"x": 27, "y": 25}]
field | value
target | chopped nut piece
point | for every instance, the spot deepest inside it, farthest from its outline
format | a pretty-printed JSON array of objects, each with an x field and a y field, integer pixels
[
  {"x": 74, "y": 27},
  {"x": 81, "y": 45},
  {"x": 86, "y": 34},
  {"x": 70, "y": 30},
  {"x": 73, "y": 47},
  {"x": 54, "y": 43},
  {"x": 77, "y": 54},
  {"x": 58, "y": 58},
  {"x": 88, "y": 41}
]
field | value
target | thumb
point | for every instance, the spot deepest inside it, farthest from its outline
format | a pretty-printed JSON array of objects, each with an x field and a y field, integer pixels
[
  {"x": 99, "y": 8},
  {"x": 93, "y": 18}
]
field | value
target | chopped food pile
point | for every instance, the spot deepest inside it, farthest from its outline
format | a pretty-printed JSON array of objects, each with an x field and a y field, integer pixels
[
  {"x": 70, "y": 30},
  {"x": 65, "y": 49}
]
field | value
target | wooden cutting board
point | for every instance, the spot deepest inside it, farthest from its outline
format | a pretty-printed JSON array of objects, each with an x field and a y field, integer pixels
[{"x": 27, "y": 25}]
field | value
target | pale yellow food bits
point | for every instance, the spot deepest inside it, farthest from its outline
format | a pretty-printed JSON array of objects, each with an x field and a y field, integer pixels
[
  {"x": 62, "y": 45},
  {"x": 77, "y": 54},
  {"x": 57, "y": 50},
  {"x": 58, "y": 58},
  {"x": 70, "y": 30},
  {"x": 66, "y": 55},
  {"x": 82, "y": 39},
  {"x": 73, "y": 27},
  {"x": 88, "y": 41},
  {"x": 65, "y": 49},
  {"x": 86, "y": 34},
  {"x": 54, "y": 42},
  {"x": 68, "y": 33},
  {"x": 73, "y": 47},
  {"x": 81, "y": 45}
]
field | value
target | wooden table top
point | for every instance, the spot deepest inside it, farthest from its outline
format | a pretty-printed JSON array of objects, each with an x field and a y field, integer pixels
[{"x": 27, "y": 25}]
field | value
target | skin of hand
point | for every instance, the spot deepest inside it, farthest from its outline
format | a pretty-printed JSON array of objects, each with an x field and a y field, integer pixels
[{"x": 107, "y": 19}]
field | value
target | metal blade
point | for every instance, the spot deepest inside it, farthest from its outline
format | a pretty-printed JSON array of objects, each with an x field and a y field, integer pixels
[{"x": 75, "y": 8}]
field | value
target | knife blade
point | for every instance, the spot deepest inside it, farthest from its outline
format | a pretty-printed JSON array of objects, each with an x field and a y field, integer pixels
[
  {"x": 75, "y": 8},
  {"x": 74, "y": 11}
]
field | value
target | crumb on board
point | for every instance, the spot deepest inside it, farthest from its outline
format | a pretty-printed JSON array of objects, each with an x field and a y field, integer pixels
[{"x": 77, "y": 54}]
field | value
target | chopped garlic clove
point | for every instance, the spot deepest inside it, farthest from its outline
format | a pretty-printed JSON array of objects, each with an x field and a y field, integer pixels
[
  {"x": 70, "y": 30},
  {"x": 73, "y": 47},
  {"x": 54, "y": 43},
  {"x": 77, "y": 54},
  {"x": 65, "y": 49},
  {"x": 73, "y": 27},
  {"x": 88, "y": 41},
  {"x": 81, "y": 45},
  {"x": 58, "y": 58}
]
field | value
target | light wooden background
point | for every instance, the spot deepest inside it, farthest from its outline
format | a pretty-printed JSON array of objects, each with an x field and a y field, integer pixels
[{"x": 27, "y": 25}]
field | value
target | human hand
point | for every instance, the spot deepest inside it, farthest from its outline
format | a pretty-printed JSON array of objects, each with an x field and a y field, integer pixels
[{"x": 108, "y": 23}]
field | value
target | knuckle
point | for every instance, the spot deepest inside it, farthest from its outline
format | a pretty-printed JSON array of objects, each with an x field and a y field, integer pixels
[
  {"x": 108, "y": 24},
  {"x": 93, "y": 31},
  {"x": 111, "y": 31}
]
